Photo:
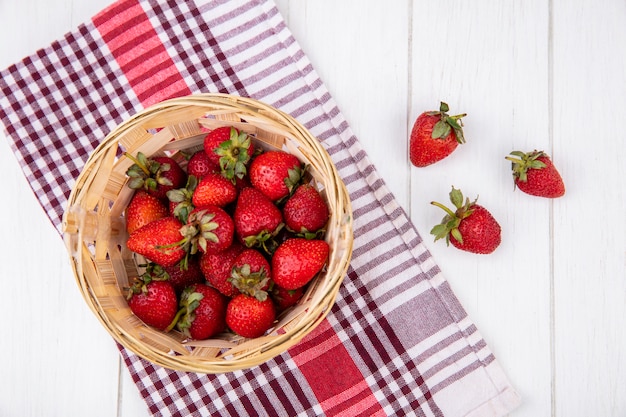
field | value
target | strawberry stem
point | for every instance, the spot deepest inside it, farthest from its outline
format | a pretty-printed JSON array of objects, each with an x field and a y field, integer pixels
[
  {"x": 176, "y": 318},
  {"x": 516, "y": 160},
  {"x": 137, "y": 162},
  {"x": 444, "y": 208}
]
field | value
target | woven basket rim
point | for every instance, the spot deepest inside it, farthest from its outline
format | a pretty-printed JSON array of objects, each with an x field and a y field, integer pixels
[{"x": 94, "y": 234}]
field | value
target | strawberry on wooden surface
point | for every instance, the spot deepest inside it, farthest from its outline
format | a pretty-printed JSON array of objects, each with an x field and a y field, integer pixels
[
  {"x": 159, "y": 241},
  {"x": 535, "y": 174},
  {"x": 434, "y": 136},
  {"x": 250, "y": 317},
  {"x": 203, "y": 312},
  {"x": 470, "y": 228},
  {"x": 143, "y": 209},
  {"x": 297, "y": 260},
  {"x": 154, "y": 302},
  {"x": 275, "y": 174}
]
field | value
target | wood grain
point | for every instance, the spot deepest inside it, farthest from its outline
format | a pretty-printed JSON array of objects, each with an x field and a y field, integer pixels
[{"x": 534, "y": 74}]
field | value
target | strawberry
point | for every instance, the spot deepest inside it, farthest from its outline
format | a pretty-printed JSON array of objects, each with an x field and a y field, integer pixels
[
  {"x": 199, "y": 165},
  {"x": 434, "y": 136},
  {"x": 213, "y": 189},
  {"x": 230, "y": 149},
  {"x": 154, "y": 302},
  {"x": 180, "y": 199},
  {"x": 251, "y": 274},
  {"x": 143, "y": 209},
  {"x": 284, "y": 298},
  {"x": 159, "y": 241},
  {"x": 208, "y": 229},
  {"x": 535, "y": 174},
  {"x": 257, "y": 219},
  {"x": 203, "y": 312},
  {"x": 297, "y": 260},
  {"x": 179, "y": 276},
  {"x": 156, "y": 175},
  {"x": 217, "y": 268},
  {"x": 306, "y": 212},
  {"x": 275, "y": 174},
  {"x": 182, "y": 276},
  {"x": 249, "y": 317},
  {"x": 470, "y": 228}
]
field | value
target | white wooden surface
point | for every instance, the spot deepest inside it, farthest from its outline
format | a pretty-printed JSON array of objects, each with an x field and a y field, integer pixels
[{"x": 530, "y": 74}]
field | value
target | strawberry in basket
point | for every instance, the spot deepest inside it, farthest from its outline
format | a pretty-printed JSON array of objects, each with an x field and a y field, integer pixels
[
  {"x": 222, "y": 239},
  {"x": 156, "y": 175},
  {"x": 154, "y": 302}
]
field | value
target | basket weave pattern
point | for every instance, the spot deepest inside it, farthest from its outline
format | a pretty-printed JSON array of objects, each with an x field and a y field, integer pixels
[{"x": 95, "y": 233}]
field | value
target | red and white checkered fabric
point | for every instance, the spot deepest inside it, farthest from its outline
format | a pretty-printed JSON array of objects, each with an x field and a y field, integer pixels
[{"x": 397, "y": 342}]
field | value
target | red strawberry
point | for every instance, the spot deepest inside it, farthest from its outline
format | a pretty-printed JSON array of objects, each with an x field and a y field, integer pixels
[
  {"x": 535, "y": 174},
  {"x": 155, "y": 303},
  {"x": 217, "y": 268},
  {"x": 470, "y": 228},
  {"x": 297, "y": 261},
  {"x": 284, "y": 298},
  {"x": 306, "y": 212},
  {"x": 249, "y": 317},
  {"x": 275, "y": 173},
  {"x": 230, "y": 149},
  {"x": 182, "y": 276},
  {"x": 159, "y": 241},
  {"x": 203, "y": 311},
  {"x": 199, "y": 165},
  {"x": 256, "y": 218},
  {"x": 251, "y": 274},
  {"x": 208, "y": 229},
  {"x": 143, "y": 209},
  {"x": 434, "y": 136},
  {"x": 156, "y": 175},
  {"x": 213, "y": 189}
]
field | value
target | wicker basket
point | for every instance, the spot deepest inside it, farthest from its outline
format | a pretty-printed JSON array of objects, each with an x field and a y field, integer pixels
[{"x": 95, "y": 235}]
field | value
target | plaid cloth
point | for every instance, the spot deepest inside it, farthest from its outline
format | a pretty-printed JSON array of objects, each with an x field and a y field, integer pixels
[{"x": 397, "y": 342}]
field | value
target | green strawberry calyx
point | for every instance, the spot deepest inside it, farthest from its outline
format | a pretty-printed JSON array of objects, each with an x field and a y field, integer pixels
[
  {"x": 183, "y": 199},
  {"x": 521, "y": 162},
  {"x": 264, "y": 240},
  {"x": 189, "y": 302},
  {"x": 146, "y": 173},
  {"x": 451, "y": 221},
  {"x": 234, "y": 155},
  {"x": 249, "y": 282},
  {"x": 199, "y": 229},
  {"x": 447, "y": 123}
]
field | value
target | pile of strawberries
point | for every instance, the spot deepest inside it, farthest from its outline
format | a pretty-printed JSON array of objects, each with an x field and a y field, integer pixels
[
  {"x": 232, "y": 235},
  {"x": 471, "y": 227}
]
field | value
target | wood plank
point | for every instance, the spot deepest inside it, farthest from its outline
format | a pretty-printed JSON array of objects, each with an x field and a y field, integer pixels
[
  {"x": 490, "y": 60},
  {"x": 361, "y": 54},
  {"x": 56, "y": 358},
  {"x": 589, "y": 223},
  {"x": 53, "y": 346}
]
